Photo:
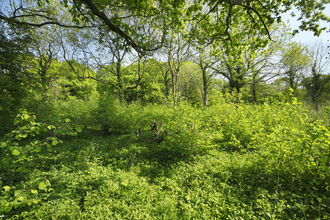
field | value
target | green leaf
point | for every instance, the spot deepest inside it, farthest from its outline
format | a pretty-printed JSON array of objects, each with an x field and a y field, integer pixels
[
  {"x": 52, "y": 119},
  {"x": 7, "y": 188},
  {"x": 79, "y": 129},
  {"x": 42, "y": 186},
  {"x": 50, "y": 127},
  {"x": 20, "y": 198},
  {"x": 67, "y": 120},
  {"x": 17, "y": 193},
  {"x": 33, "y": 191},
  {"x": 17, "y": 120},
  {"x": 15, "y": 152},
  {"x": 3, "y": 144},
  {"x": 54, "y": 142},
  {"x": 35, "y": 201}
]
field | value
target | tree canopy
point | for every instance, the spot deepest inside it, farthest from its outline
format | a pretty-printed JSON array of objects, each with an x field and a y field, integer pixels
[
  {"x": 144, "y": 25},
  {"x": 114, "y": 42}
]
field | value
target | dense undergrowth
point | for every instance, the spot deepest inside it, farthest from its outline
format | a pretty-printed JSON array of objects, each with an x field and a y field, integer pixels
[{"x": 226, "y": 161}]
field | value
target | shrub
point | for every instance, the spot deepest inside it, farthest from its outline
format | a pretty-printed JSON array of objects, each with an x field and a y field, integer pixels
[{"x": 18, "y": 154}]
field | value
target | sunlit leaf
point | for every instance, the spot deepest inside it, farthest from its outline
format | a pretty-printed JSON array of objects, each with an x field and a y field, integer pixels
[
  {"x": 20, "y": 198},
  {"x": 42, "y": 186},
  {"x": 15, "y": 152},
  {"x": 17, "y": 192},
  {"x": 54, "y": 142},
  {"x": 7, "y": 188}
]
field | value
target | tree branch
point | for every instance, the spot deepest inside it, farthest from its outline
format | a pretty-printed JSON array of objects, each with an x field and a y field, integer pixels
[
  {"x": 111, "y": 26},
  {"x": 263, "y": 23},
  {"x": 14, "y": 20}
]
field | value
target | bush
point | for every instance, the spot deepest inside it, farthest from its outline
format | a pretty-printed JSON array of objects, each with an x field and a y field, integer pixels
[{"x": 18, "y": 154}]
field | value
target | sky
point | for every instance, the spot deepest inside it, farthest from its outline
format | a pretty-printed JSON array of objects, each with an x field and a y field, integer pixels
[{"x": 308, "y": 37}]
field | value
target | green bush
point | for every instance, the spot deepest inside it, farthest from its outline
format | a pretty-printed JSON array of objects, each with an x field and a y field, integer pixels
[
  {"x": 228, "y": 161},
  {"x": 20, "y": 153}
]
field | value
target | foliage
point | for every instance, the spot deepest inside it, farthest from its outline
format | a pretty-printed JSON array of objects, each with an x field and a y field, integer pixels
[
  {"x": 190, "y": 86},
  {"x": 141, "y": 157},
  {"x": 315, "y": 80},
  {"x": 20, "y": 155},
  {"x": 68, "y": 85},
  {"x": 229, "y": 160},
  {"x": 295, "y": 60},
  {"x": 80, "y": 112},
  {"x": 303, "y": 147},
  {"x": 14, "y": 79},
  {"x": 218, "y": 21},
  {"x": 149, "y": 90}
]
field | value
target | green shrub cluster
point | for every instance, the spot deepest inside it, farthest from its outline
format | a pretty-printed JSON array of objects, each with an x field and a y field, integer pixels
[
  {"x": 21, "y": 152},
  {"x": 228, "y": 161}
]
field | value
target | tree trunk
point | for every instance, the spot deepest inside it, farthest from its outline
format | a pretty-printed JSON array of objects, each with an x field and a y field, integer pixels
[
  {"x": 254, "y": 92},
  {"x": 166, "y": 83},
  {"x": 121, "y": 94},
  {"x": 174, "y": 82},
  {"x": 205, "y": 86}
]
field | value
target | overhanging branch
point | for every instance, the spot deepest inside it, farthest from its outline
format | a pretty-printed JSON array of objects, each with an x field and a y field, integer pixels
[
  {"x": 263, "y": 23},
  {"x": 54, "y": 22}
]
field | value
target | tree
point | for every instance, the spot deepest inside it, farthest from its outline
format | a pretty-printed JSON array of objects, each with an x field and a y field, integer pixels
[
  {"x": 119, "y": 77},
  {"x": 315, "y": 82},
  {"x": 205, "y": 62},
  {"x": 253, "y": 62},
  {"x": 165, "y": 72},
  {"x": 67, "y": 84},
  {"x": 116, "y": 51},
  {"x": 151, "y": 89},
  {"x": 263, "y": 62},
  {"x": 218, "y": 22},
  {"x": 232, "y": 66},
  {"x": 294, "y": 60},
  {"x": 45, "y": 47},
  {"x": 190, "y": 85},
  {"x": 175, "y": 54},
  {"x": 14, "y": 78}
]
